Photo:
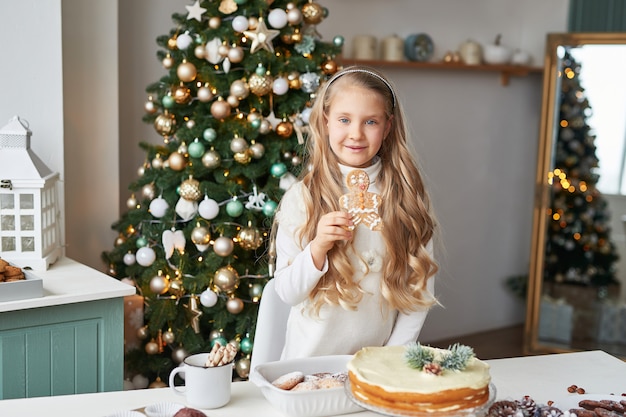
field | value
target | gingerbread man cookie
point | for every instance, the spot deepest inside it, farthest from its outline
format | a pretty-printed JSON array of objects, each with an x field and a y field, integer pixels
[{"x": 361, "y": 204}]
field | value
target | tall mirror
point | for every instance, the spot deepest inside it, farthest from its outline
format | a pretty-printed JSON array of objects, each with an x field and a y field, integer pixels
[{"x": 577, "y": 281}]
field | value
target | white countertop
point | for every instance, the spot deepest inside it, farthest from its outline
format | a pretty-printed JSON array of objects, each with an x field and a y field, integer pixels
[
  {"x": 67, "y": 281},
  {"x": 544, "y": 378}
]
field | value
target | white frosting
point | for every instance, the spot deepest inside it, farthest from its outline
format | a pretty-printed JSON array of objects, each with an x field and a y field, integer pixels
[{"x": 387, "y": 368}]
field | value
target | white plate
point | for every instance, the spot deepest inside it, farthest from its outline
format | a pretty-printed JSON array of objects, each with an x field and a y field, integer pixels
[
  {"x": 467, "y": 412},
  {"x": 167, "y": 409},
  {"x": 127, "y": 413},
  {"x": 321, "y": 402},
  {"x": 571, "y": 401}
]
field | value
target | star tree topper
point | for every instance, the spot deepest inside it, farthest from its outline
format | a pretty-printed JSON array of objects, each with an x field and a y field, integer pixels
[
  {"x": 195, "y": 11},
  {"x": 262, "y": 37}
]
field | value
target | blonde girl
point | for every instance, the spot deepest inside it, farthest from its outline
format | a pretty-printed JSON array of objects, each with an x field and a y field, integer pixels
[{"x": 350, "y": 286}]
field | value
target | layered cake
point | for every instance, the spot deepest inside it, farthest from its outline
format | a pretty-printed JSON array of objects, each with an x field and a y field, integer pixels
[{"x": 418, "y": 378}]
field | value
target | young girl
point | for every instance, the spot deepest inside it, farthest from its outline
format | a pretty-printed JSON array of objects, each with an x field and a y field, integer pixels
[{"x": 355, "y": 263}]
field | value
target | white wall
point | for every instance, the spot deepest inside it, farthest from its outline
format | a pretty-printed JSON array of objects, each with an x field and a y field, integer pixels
[
  {"x": 91, "y": 113},
  {"x": 32, "y": 78},
  {"x": 476, "y": 139}
]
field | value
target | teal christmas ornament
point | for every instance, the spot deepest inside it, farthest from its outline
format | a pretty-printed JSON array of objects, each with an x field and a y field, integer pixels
[
  {"x": 234, "y": 208},
  {"x": 278, "y": 170},
  {"x": 209, "y": 134},
  {"x": 141, "y": 242},
  {"x": 269, "y": 208},
  {"x": 246, "y": 345},
  {"x": 168, "y": 101},
  {"x": 338, "y": 40},
  {"x": 221, "y": 340},
  {"x": 195, "y": 149}
]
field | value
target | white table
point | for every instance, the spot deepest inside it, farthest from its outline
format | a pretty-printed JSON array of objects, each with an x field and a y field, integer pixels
[{"x": 544, "y": 378}]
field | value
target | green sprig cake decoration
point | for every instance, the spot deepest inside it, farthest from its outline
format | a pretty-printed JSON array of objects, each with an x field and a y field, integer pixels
[{"x": 422, "y": 358}]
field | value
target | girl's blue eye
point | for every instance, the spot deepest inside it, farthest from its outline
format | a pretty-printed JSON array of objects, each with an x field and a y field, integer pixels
[
  {"x": 343, "y": 120},
  {"x": 371, "y": 122}
]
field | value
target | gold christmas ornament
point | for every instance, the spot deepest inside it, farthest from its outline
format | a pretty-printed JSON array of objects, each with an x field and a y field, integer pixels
[
  {"x": 226, "y": 279},
  {"x": 193, "y": 313},
  {"x": 329, "y": 67},
  {"x": 244, "y": 157},
  {"x": 262, "y": 37},
  {"x": 234, "y": 305},
  {"x": 186, "y": 71},
  {"x": 242, "y": 366},
  {"x": 190, "y": 190},
  {"x": 220, "y": 109},
  {"x": 296, "y": 36},
  {"x": 176, "y": 288},
  {"x": 239, "y": 89},
  {"x": 152, "y": 348},
  {"x": 211, "y": 159},
  {"x": 199, "y": 51},
  {"x": 177, "y": 161},
  {"x": 294, "y": 80},
  {"x": 168, "y": 62},
  {"x": 165, "y": 124},
  {"x": 236, "y": 54},
  {"x": 284, "y": 129},
  {"x": 169, "y": 337},
  {"x": 205, "y": 94},
  {"x": 260, "y": 85},
  {"x": 149, "y": 106},
  {"x": 250, "y": 238},
  {"x": 312, "y": 13},
  {"x": 147, "y": 191},
  {"x": 157, "y": 383},
  {"x": 215, "y": 22},
  {"x": 171, "y": 43},
  {"x": 200, "y": 235},
  {"x": 228, "y": 6},
  {"x": 181, "y": 94}
]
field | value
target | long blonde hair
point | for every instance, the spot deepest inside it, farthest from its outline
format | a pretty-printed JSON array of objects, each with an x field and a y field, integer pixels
[{"x": 405, "y": 211}]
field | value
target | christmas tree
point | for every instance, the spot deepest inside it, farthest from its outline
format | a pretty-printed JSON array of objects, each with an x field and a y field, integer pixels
[
  {"x": 579, "y": 249},
  {"x": 232, "y": 111}
]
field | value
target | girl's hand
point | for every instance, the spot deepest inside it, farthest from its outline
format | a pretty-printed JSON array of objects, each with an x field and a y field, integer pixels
[{"x": 332, "y": 227}]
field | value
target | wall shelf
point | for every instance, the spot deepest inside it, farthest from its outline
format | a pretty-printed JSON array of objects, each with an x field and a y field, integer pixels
[{"x": 506, "y": 71}]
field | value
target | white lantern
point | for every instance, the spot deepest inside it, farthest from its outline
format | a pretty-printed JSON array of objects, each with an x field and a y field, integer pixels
[{"x": 29, "y": 229}]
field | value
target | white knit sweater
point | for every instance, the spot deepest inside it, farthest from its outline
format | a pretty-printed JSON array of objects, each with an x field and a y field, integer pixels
[{"x": 336, "y": 331}]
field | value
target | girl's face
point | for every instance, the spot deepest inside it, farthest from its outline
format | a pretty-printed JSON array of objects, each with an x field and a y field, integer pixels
[{"x": 357, "y": 125}]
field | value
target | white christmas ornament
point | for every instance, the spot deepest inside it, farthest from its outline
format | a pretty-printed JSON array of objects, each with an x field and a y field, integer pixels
[
  {"x": 208, "y": 208},
  {"x": 280, "y": 86},
  {"x": 277, "y": 18},
  {"x": 195, "y": 11},
  {"x": 183, "y": 41},
  {"x": 158, "y": 207},
  {"x": 186, "y": 209},
  {"x": 287, "y": 181},
  {"x": 240, "y": 24},
  {"x": 212, "y": 48},
  {"x": 129, "y": 259},
  {"x": 256, "y": 200},
  {"x": 306, "y": 114},
  {"x": 145, "y": 256},
  {"x": 208, "y": 298},
  {"x": 140, "y": 381},
  {"x": 173, "y": 240}
]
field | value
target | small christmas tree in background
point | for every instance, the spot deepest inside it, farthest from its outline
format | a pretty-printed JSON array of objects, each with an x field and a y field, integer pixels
[
  {"x": 578, "y": 245},
  {"x": 232, "y": 111}
]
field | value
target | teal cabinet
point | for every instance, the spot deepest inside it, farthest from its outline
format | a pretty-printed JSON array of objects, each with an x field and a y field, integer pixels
[{"x": 62, "y": 349}]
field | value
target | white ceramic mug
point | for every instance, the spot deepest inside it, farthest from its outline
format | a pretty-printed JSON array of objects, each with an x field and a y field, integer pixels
[{"x": 205, "y": 386}]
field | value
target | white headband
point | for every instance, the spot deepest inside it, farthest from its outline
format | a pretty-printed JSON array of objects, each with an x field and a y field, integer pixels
[{"x": 373, "y": 74}]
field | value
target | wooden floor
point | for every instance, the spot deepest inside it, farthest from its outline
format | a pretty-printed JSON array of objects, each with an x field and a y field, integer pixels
[{"x": 495, "y": 344}]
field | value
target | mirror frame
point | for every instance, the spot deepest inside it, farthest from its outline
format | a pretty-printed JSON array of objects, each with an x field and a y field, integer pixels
[{"x": 549, "y": 112}]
